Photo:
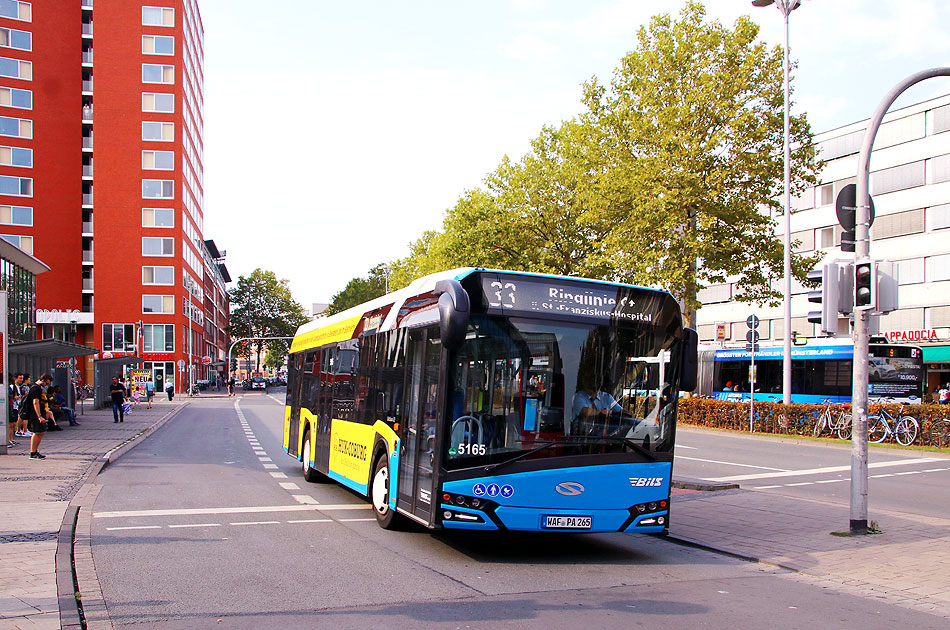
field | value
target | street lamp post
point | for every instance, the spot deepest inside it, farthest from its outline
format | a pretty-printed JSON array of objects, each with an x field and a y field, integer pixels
[{"x": 786, "y": 7}]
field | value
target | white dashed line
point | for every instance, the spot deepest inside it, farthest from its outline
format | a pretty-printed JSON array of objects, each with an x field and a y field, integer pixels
[
  {"x": 194, "y": 525},
  {"x": 313, "y": 520},
  {"x": 305, "y": 499},
  {"x": 278, "y": 475},
  {"x": 256, "y": 523},
  {"x": 115, "y": 529},
  {"x": 270, "y": 466},
  {"x": 289, "y": 485},
  {"x": 357, "y": 520},
  {"x": 265, "y": 459},
  {"x": 820, "y": 471}
]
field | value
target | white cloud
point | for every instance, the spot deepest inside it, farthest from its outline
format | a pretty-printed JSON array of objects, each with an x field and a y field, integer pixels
[{"x": 527, "y": 47}]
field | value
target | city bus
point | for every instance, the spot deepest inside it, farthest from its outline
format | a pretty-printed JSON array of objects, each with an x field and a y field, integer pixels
[
  {"x": 459, "y": 402},
  {"x": 821, "y": 371}
]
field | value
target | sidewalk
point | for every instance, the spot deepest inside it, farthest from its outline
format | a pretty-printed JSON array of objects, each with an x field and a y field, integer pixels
[
  {"x": 906, "y": 565},
  {"x": 34, "y": 497}
]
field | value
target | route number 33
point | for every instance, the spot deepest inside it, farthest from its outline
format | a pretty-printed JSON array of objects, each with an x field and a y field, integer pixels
[{"x": 503, "y": 293}]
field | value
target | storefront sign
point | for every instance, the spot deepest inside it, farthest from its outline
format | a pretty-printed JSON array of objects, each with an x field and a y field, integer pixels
[
  {"x": 63, "y": 316},
  {"x": 158, "y": 356},
  {"x": 911, "y": 335}
]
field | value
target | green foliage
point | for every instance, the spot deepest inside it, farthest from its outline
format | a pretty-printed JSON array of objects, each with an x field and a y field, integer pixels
[
  {"x": 359, "y": 290},
  {"x": 262, "y": 306}
]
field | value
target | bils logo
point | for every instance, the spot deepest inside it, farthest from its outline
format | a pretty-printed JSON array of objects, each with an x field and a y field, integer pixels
[{"x": 646, "y": 482}]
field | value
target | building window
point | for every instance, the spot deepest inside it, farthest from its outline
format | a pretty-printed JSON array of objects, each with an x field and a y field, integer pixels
[
  {"x": 158, "y": 217},
  {"x": 158, "y": 45},
  {"x": 158, "y": 102},
  {"x": 898, "y": 178},
  {"x": 910, "y": 271},
  {"x": 826, "y": 237},
  {"x": 158, "y": 189},
  {"x": 158, "y": 16},
  {"x": 23, "y": 242},
  {"x": 898, "y": 224},
  {"x": 16, "y": 215},
  {"x": 158, "y": 304},
  {"x": 16, "y": 186},
  {"x": 939, "y": 169},
  {"x": 159, "y": 337},
  {"x": 16, "y": 156},
  {"x": 827, "y": 193},
  {"x": 158, "y": 275},
  {"x": 156, "y": 246},
  {"x": 16, "y": 10},
  {"x": 938, "y": 267},
  {"x": 12, "y": 38},
  {"x": 12, "y": 97},
  {"x": 16, "y": 69},
  {"x": 157, "y": 73},
  {"x": 160, "y": 131},
  {"x": 158, "y": 160},
  {"x": 938, "y": 217},
  {"x": 118, "y": 337},
  {"x": 16, "y": 127},
  {"x": 805, "y": 240}
]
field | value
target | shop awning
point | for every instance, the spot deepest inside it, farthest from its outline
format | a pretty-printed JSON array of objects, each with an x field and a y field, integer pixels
[{"x": 936, "y": 354}]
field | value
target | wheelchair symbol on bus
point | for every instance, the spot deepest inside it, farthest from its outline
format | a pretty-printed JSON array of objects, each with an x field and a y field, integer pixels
[{"x": 479, "y": 490}]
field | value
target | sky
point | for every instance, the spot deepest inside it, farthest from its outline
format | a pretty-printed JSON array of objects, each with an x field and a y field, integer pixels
[{"x": 336, "y": 133}]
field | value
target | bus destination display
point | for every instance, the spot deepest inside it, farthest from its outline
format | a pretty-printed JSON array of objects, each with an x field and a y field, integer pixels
[{"x": 538, "y": 295}]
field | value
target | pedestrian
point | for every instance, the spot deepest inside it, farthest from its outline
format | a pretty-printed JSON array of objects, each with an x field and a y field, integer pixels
[
  {"x": 57, "y": 404},
  {"x": 117, "y": 392},
  {"x": 37, "y": 416},
  {"x": 22, "y": 428},
  {"x": 170, "y": 390},
  {"x": 231, "y": 385},
  {"x": 149, "y": 392},
  {"x": 13, "y": 402},
  {"x": 944, "y": 395}
]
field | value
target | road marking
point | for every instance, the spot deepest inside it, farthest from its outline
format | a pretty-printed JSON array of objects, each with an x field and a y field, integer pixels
[
  {"x": 821, "y": 471},
  {"x": 289, "y": 485},
  {"x": 714, "y": 461},
  {"x": 195, "y": 525},
  {"x": 256, "y": 523},
  {"x": 235, "y": 510},
  {"x": 832, "y": 480},
  {"x": 766, "y": 487},
  {"x": 115, "y": 529},
  {"x": 265, "y": 459},
  {"x": 357, "y": 520},
  {"x": 305, "y": 499},
  {"x": 270, "y": 466},
  {"x": 692, "y": 448},
  {"x": 801, "y": 483},
  {"x": 278, "y": 475},
  {"x": 313, "y": 520}
]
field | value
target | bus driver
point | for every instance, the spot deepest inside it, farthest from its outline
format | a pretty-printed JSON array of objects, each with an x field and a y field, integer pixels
[{"x": 590, "y": 400}]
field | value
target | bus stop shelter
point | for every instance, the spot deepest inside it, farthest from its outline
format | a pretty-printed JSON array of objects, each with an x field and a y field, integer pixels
[{"x": 104, "y": 370}]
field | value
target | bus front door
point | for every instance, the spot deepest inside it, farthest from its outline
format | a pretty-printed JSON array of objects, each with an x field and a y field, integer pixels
[
  {"x": 294, "y": 385},
  {"x": 417, "y": 437}
]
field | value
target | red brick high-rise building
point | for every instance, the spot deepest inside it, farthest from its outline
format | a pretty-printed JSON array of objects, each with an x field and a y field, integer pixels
[{"x": 101, "y": 170}]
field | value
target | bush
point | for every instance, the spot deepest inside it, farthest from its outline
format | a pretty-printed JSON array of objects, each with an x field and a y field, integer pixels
[{"x": 793, "y": 419}]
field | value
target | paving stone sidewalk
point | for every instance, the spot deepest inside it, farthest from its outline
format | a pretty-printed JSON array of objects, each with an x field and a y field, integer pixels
[
  {"x": 34, "y": 497},
  {"x": 906, "y": 565}
]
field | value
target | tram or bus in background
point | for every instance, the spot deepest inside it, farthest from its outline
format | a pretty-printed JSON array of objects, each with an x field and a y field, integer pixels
[
  {"x": 822, "y": 371},
  {"x": 460, "y": 402}
]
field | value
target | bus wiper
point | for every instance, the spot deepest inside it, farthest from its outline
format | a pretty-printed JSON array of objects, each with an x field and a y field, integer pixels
[
  {"x": 494, "y": 467},
  {"x": 629, "y": 443}
]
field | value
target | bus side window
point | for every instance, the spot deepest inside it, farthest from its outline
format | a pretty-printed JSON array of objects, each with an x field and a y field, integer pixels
[{"x": 391, "y": 375}]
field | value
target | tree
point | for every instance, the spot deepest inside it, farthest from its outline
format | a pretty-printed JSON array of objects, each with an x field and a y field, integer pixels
[
  {"x": 262, "y": 306},
  {"x": 689, "y": 136},
  {"x": 359, "y": 290}
]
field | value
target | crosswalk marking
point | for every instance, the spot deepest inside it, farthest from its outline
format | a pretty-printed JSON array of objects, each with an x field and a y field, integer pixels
[{"x": 821, "y": 471}]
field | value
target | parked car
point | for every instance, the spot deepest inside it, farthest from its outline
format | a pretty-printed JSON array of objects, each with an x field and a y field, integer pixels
[
  {"x": 203, "y": 383},
  {"x": 258, "y": 382}
]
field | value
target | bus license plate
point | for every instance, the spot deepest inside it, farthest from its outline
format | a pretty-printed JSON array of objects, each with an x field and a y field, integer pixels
[{"x": 567, "y": 522}]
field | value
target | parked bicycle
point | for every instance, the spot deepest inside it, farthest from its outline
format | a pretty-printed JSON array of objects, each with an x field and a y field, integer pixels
[
  {"x": 834, "y": 421},
  {"x": 940, "y": 433},
  {"x": 905, "y": 428}
]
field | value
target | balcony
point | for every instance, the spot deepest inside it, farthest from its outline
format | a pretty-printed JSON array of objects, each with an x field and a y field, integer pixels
[
  {"x": 87, "y": 142},
  {"x": 87, "y": 57},
  {"x": 87, "y": 112},
  {"x": 87, "y": 284},
  {"x": 87, "y": 170},
  {"x": 86, "y": 4},
  {"x": 87, "y": 228},
  {"x": 87, "y": 86},
  {"x": 87, "y": 256},
  {"x": 87, "y": 29},
  {"x": 87, "y": 199}
]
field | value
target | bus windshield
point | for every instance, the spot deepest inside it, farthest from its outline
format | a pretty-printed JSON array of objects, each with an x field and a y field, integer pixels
[{"x": 524, "y": 388}]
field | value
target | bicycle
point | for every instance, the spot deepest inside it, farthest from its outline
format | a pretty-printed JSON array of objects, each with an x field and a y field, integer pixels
[
  {"x": 905, "y": 427},
  {"x": 831, "y": 422},
  {"x": 940, "y": 433}
]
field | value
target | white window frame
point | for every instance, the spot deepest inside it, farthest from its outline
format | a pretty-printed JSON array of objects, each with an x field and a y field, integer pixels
[
  {"x": 164, "y": 68},
  {"x": 145, "y": 45},
  {"x": 24, "y": 127},
  {"x": 4, "y": 209},
  {"x": 167, "y": 301},
  {"x": 165, "y": 13},
  {"x": 167, "y": 188},
  {"x": 154, "y": 96},
  {"x": 24, "y": 69},
  {"x": 24, "y": 11},
  {"x": 7, "y": 154},
  {"x": 9, "y": 92},
  {"x": 148, "y": 124},
  {"x": 20, "y": 182},
  {"x": 19, "y": 240},
  {"x": 168, "y": 333},
  {"x": 154, "y": 282},
  {"x": 171, "y": 211},
  {"x": 150, "y": 156},
  {"x": 10, "y": 32},
  {"x": 162, "y": 240}
]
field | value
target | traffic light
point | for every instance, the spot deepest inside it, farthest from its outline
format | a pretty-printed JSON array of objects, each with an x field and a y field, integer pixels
[
  {"x": 827, "y": 296},
  {"x": 865, "y": 285}
]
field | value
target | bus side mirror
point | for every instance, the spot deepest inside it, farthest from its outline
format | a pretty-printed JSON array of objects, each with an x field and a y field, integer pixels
[
  {"x": 690, "y": 363},
  {"x": 453, "y": 313}
]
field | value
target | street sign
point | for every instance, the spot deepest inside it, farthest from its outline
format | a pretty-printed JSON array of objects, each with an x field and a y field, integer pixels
[
  {"x": 181, "y": 364},
  {"x": 720, "y": 331},
  {"x": 752, "y": 347},
  {"x": 752, "y": 336},
  {"x": 844, "y": 209},
  {"x": 752, "y": 321}
]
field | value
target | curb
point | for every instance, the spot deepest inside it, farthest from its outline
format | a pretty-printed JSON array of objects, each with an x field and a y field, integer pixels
[
  {"x": 702, "y": 485},
  {"x": 68, "y": 573}
]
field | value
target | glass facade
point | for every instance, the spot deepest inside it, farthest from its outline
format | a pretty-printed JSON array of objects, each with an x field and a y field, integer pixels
[{"x": 20, "y": 286}]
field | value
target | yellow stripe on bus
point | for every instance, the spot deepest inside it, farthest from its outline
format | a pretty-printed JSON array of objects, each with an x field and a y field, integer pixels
[{"x": 328, "y": 334}]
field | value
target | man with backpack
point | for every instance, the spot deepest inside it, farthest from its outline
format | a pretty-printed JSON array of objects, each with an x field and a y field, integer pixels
[{"x": 36, "y": 413}]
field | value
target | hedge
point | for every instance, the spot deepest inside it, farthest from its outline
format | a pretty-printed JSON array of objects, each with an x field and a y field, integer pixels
[{"x": 793, "y": 419}]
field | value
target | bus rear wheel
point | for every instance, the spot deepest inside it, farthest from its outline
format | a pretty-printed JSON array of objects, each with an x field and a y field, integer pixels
[
  {"x": 310, "y": 475},
  {"x": 379, "y": 495}
]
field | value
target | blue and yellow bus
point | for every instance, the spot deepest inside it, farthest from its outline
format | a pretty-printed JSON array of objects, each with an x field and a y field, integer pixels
[{"x": 496, "y": 400}]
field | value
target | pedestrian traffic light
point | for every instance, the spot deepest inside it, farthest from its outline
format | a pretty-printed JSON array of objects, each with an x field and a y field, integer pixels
[
  {"x": 865, "y": 285},
  {"x": 827, "y": 296}
]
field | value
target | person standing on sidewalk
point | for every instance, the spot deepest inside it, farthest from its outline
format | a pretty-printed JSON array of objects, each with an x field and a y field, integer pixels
[
  {"x": 22, "y": 429},
  {"x": 37, "y": 414},
  {"x": 231, "y": 385},
  {"x": 149, "y": 392},
  {"x": 117, "y": 392},
  {"x": 13, "y": 401}
]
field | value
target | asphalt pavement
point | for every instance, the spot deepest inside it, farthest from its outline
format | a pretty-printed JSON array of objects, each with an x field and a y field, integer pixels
[{"x": 43, "y": 502}]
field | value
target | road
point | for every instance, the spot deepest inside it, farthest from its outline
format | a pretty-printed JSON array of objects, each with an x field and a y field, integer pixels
[
  {"x": 209, "y": 524},
  {"x": 899, "y": 481}
]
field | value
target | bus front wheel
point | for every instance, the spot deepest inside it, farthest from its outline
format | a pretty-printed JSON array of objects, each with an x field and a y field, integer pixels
[
  {"x": 379, "y": 495},
  {"x": 309, "y": 474}
]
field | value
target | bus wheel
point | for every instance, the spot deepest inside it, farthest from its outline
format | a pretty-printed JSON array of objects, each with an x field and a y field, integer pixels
[
  {"x": 309, "y": 474},
  {"x": 379, "y": 494}
]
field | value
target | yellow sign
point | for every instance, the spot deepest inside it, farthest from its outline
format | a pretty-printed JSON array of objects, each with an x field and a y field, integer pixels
[
  {"x": 140, "y": 377},
  {"x": 327, "y": 334}
]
